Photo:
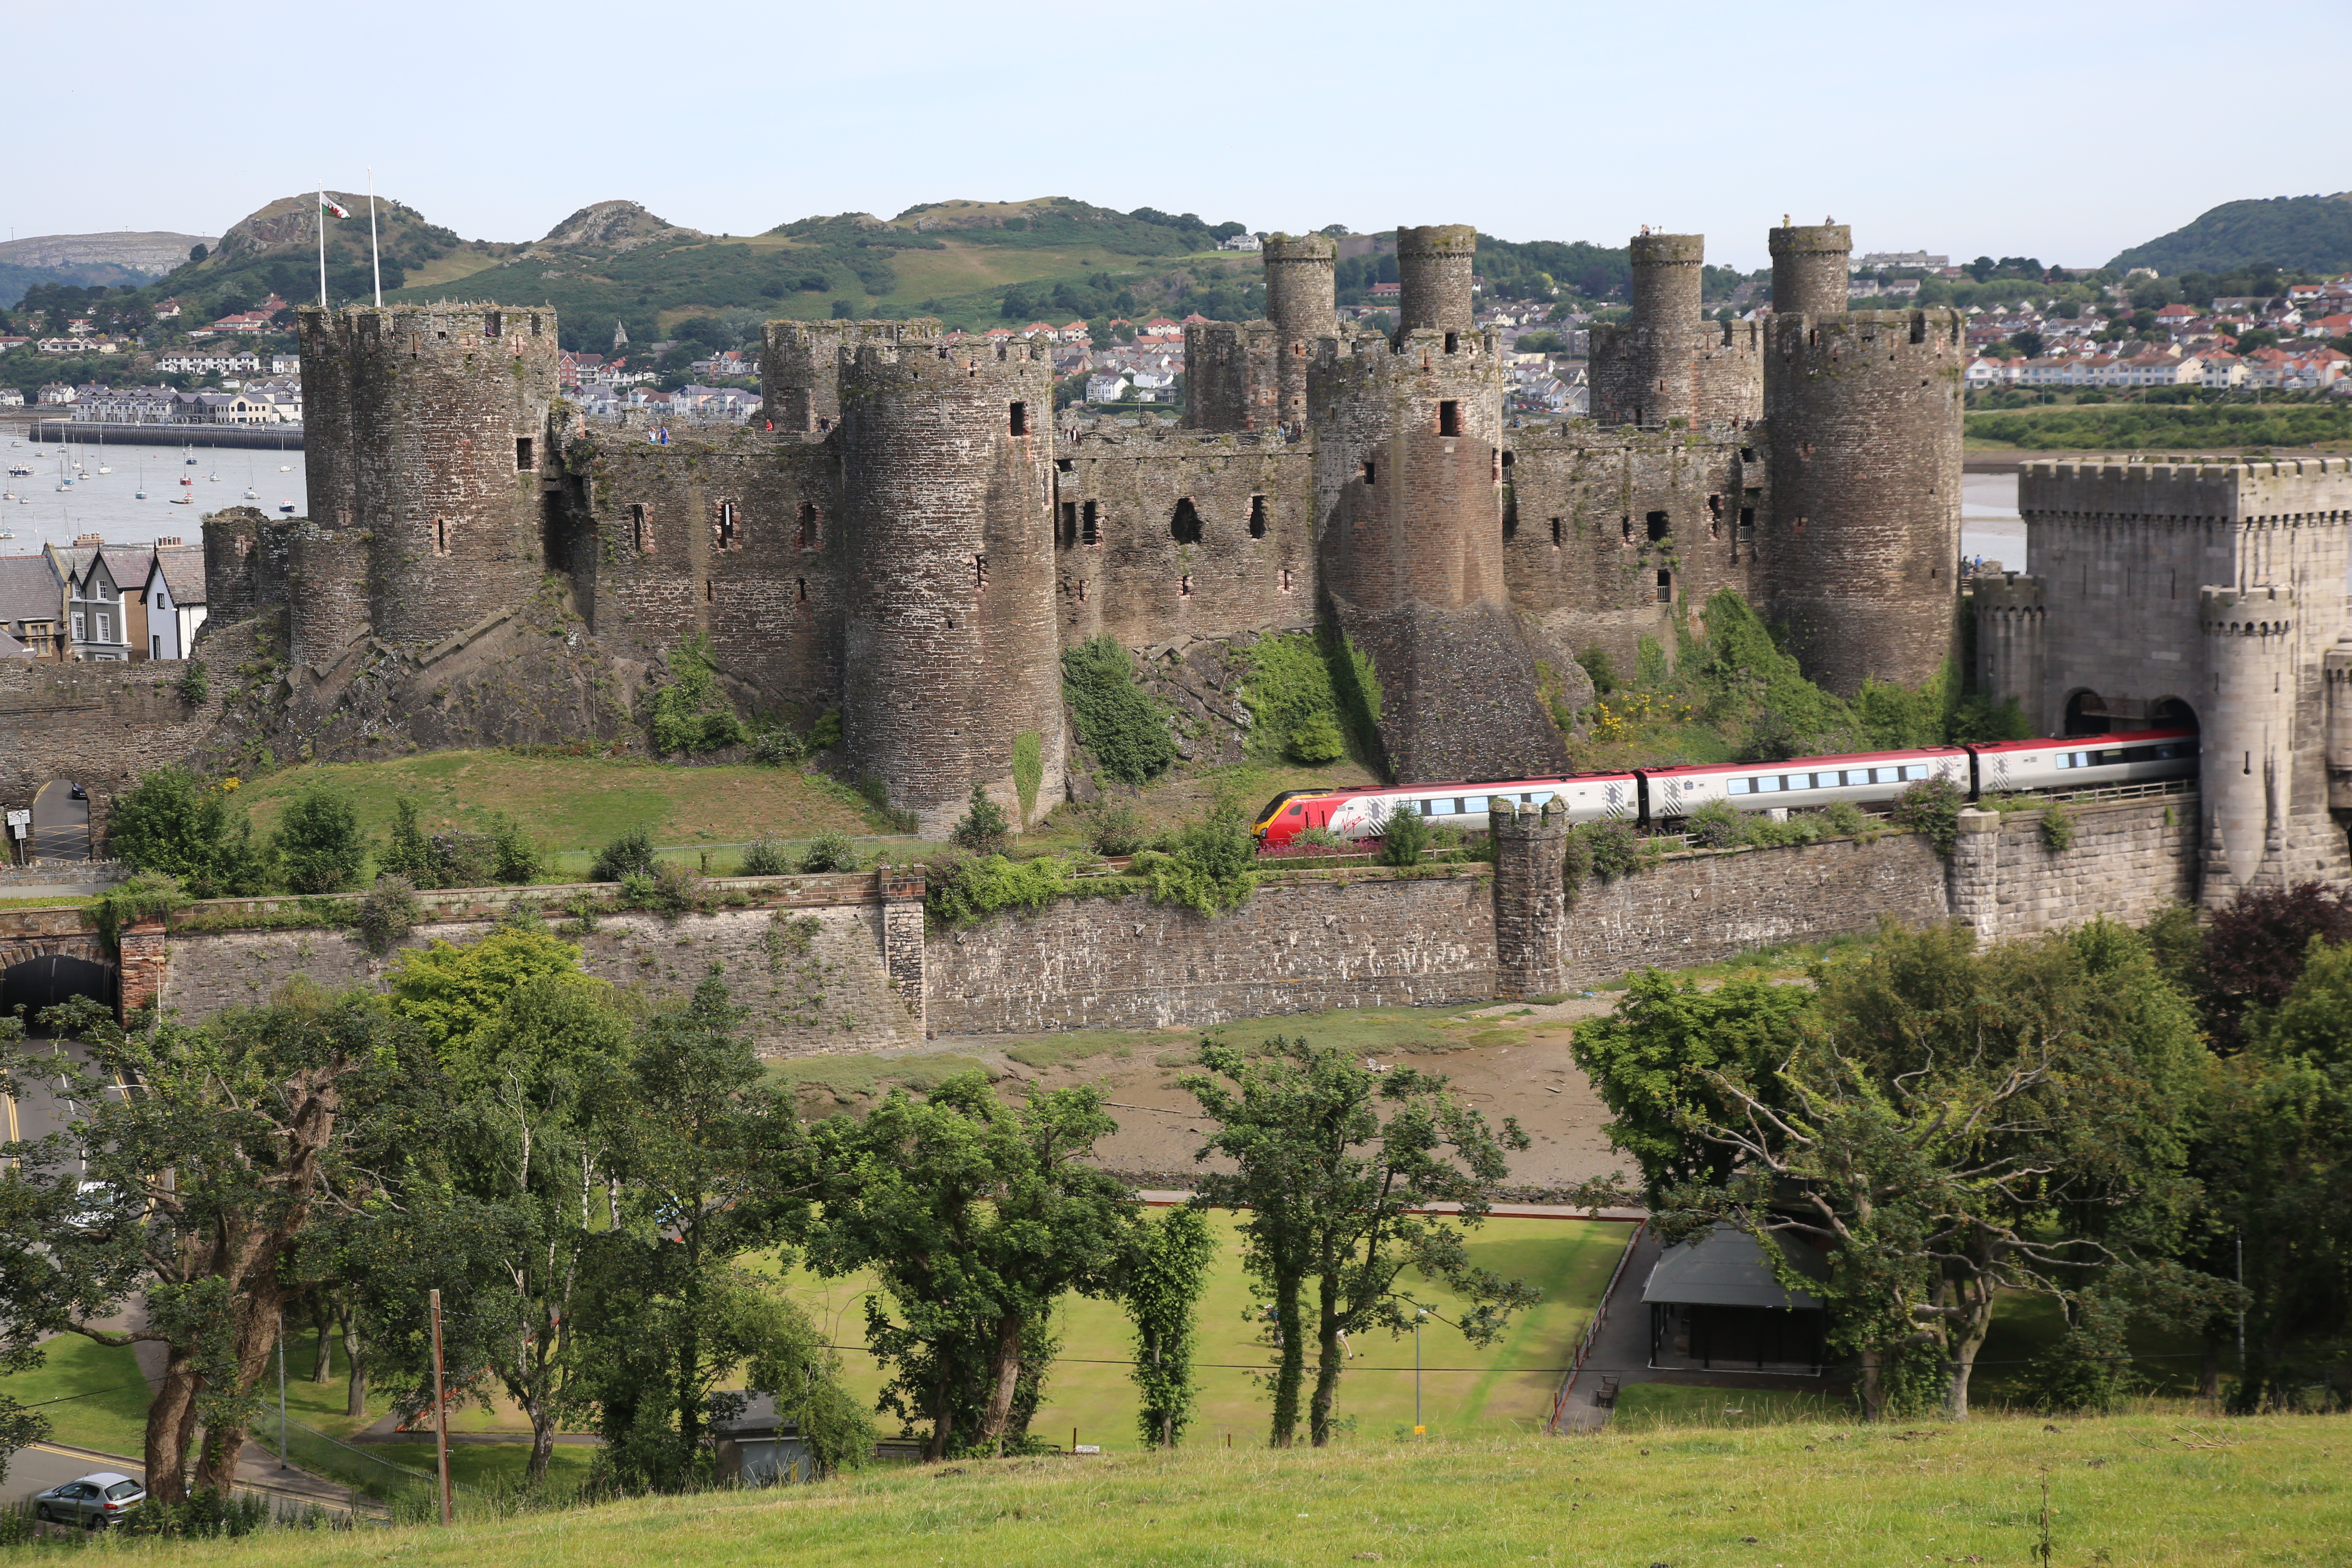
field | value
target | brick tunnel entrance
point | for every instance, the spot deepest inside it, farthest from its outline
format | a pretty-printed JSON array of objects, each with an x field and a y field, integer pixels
[{"x": 46, "y": 978}]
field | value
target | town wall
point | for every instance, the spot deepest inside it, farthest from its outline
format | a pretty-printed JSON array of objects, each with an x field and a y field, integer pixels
[
  {"x": 2128, "y": 860},
  {"x": 98, "y": 725}
]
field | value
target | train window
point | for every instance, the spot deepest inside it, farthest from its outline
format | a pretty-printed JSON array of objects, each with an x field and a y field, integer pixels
[
  {"x": 2065, "y": 759},
  {"x": 1295, "y": 810},
  {"x": 1887, "y": 775},
  {"x": 1768, "y": 786},
  {"x": 1915, "y": 770},
  {"x": 1739, "y": 786},
  {"x": 1474, "y": 803}
]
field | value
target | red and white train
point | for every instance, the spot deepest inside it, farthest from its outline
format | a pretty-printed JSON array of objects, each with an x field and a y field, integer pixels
[{"x": 1651, "y": 796}]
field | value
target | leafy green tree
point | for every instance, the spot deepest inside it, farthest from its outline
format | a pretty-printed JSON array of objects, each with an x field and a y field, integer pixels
[
  {"x": 458, "y": 998},
  {"x": 319, "y": 842},
  {"x": 1211, "y": 865},
  {"x": 630, "y": 853},
  {"x": 667, "y": 1313},
  {"x": 1162, "y": 1293},
  {"x": 1336, "y": 1168},
  {"x": 176, "y": 824},
  {"x": 256, "y": 1137},
  {"x": 978, "y": 1218},
  {"x": 983, "y": 829},
  {"x": 1404, "y": 835},
  {"x": 1651, "y": 1062}
]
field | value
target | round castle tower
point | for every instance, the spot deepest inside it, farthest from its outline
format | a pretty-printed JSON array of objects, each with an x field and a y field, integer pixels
[
  {"x": 1643, "y": 371},
  {"x": 1808, "y": 271},
  {"x": 1433, "y": 277},
  {"x": 429, "y": 427},
  {"x": 1862, "y": 554},
  {"x": 1301, "y": 288},
  {"x": 2247, "y": 743},
  {"x": 1530, "y": 897},
  {"x": 950, "y": 650}
]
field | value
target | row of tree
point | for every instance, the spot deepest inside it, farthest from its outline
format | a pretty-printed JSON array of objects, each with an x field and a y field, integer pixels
[
  {"x": 607, "y": 1194},
  {"x": 2108, "y": 1116}
]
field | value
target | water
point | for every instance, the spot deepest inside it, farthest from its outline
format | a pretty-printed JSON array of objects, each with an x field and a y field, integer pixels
[
  {"x": 107, "y": 505},
  {"x": 1989, "y": 524}
]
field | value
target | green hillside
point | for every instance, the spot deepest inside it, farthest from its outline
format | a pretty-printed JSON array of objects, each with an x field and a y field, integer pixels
[{"x": 2309, "y": 233}]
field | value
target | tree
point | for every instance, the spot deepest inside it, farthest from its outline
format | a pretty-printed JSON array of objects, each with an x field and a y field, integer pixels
[
  {"x": 1163, "y": 1288},
  {"x": 318, "y": 842},
  {"x": 1958, "y": 1124},
  {"x": 1212, "y": 864},
  {"x": 538, "y": 1085},
  {"x": 461, "y": 998},
  {"x": 1336, "y": 1168},
  {"x": 2254, "y": 950},
  {"x": 175, "y": 824},
  {"x": 978, "y": 1218},
  {"x": 1650, "y": 1058},
  {"x": 666, "y": 1312},
  {"x": 1405, "y": 836},
  {"x": 983, "y": 829},
  {"x": 248, "y": 1140}
]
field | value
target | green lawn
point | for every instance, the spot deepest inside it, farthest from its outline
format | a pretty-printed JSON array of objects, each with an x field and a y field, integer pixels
[
  {"x": 1465, "y": 1391},
  {"x": 100, "y": 1399},
  {"x": 2134, "y": 1490}
]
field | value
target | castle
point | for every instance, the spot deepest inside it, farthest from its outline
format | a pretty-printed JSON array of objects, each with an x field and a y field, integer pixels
[{"x": 913, "y": 539}]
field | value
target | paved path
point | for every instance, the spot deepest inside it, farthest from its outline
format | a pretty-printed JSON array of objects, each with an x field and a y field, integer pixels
[{"x": 1167, "y": 1196}]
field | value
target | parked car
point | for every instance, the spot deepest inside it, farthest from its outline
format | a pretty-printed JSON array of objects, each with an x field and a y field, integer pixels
[{"x": 96, "y": 1500}]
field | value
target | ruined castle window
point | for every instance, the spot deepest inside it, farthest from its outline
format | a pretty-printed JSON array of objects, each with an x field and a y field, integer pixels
[
  {"x": 1800, "y": 525},
  {"x": 1746, "y": 453},
  {"x": 1656, "y": 524},
  {"x": 1625, "y": 527},
  {"x": 1090, "y": 525},
  {"x": 709, "y": 592},
  {"x": 808, "y": 525},
  {"x": 1747, "y": 520},
  {"x": 1069, "y": 530},
  {"x": 799, "y": 586},
  {"x": 1019, "y": 422},
  {"x": 1257, "y": 517},
  {"x": 641, "y": 532},
  {"x": 1557, "y": 533},
  {"x": 490, "y": 324},
  {"x": 1286, "y": 586},
  {"x": 523, "y": 463},
  {"x": 727, "y": 538},
  {"x": 979, "y": 573},
  {"x": 440, "y": 536},
  {"x": 1184, "y": 527},
  {"x": 1665, "y": 587},
  {"x": 1449, "y": 418},
  {"x": 1452, "y": 340},
  {"x": 1184, "y": 587},
  {"x": 1805, "y": 450},
  {"x": 1371, "y": 476}
]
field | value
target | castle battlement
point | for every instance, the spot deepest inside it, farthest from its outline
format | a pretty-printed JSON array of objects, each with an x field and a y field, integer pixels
[{"x": 447, "y": 327}]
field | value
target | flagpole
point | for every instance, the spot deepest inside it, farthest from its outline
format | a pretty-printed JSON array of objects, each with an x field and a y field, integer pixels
[
  {"x": 323, "y": 244},
  {"x": 375, "y": 255}
]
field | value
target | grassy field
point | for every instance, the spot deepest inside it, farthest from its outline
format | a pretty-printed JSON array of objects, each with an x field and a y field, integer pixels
[
  {"x": 1465, "y": 1391},
  {"x": 2148, "y": 1489}
]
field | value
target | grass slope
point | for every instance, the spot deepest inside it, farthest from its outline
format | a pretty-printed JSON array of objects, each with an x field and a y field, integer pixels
[
  {"x": 1465, "y": 1391},
  {"x": 2128, "y": 1490},
  {"x": 2313, "y": 233}
]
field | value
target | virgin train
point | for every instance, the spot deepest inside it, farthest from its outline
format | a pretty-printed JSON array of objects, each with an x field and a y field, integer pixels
[{"x": 1651, "y": 796}]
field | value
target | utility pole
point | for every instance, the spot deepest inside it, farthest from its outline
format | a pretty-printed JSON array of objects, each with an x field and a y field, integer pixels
[
  {"x": 1419, "y": 1428},
  {"x": 281, "y": 1389},
  {"x": 440, "y": 1412}
]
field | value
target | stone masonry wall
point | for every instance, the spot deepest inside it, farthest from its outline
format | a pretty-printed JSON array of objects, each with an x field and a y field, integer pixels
[
  {"x": 1302, "y": 944},
  {"x": 100, "y": 725},
  {"x": 2129, "y": 859}
]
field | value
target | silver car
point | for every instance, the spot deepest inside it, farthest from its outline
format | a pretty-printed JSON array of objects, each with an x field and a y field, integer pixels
[{"x": 96, "y": 1500}]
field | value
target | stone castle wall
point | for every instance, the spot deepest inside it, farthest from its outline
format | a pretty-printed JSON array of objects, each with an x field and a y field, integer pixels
[{"x": 2128, "y": 860}]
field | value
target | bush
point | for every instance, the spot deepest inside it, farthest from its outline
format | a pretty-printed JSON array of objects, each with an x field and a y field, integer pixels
[
  {"x": 173, "y": 823},
  {"x": 2057, "y": 828},
  {"x": 763, "y": 856},
  {"x": 1843, "y": 819},
  {"x": 513, "y": 857},
  {"x": 669, "y": 888},
  {"x": 1306, "y": 693},
  {"x": 1114, "y": 827},
  {"x": 1317, "y": 741},
  {"x": 831, "y": 850},
  {"x": 1405, "y": 836},
  {"x": 145, "y": 896},
  {"x": 1210, "y": 866},
  {"x": 983, "y": 829},
  {"x": 387, "y": 912},
  {"x": 776, "y": 747},
  {"x": 688, "y": 712},
  {"x": 964, "y": 888},
  {"x": 631, "y": 854},
  {"x": 1576, "y": 865},
  {"x": 1715, "y": 826},
  {"x": 195, "y": 684},
  {"x": 1933, "y": 807},
  {"x": 1028, "y": 772},
  {"x": 1599, "y": 668},
  {"x": 1322, "y": 838},
  {"x": 1614, "y": 849},
  {"x": 318, "y": 842},
  {"x": 1122, "y": 726}
]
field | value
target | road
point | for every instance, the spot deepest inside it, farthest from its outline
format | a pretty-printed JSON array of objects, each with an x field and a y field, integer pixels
[
  {"x": 41, "y": 1467},
  {"x": 40, "y": 1106}
]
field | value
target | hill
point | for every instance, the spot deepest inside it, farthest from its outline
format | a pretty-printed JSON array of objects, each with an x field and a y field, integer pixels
[
  {"x": 2312, "y": 233},
  {"x": 149, "y": 254},
  {"x": 2138, "y": 1488}
]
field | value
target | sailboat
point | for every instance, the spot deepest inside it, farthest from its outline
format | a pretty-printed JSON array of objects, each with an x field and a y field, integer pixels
[
  {"x": 142, "y": 483},
  {"x": 101, "y": 454}
]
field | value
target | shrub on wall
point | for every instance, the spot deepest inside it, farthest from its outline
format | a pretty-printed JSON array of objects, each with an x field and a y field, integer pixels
[
  {"x": 982, "y": 829},
  {"x": 1210, "y": 865},
  {"x": 1405, "y": 836},
  {"x": 964, "y": 888},
  {"x": 831, "y": 850},
  {"x": 632, "y": 852},
  {"x": 145, "y": 896},
  {"x": 387, "y": 913},
  {"x": 1124, "y": 728},
  {"x": 1933, "y": 807},
  {"x": 763, "y": 856},
  {"x": 319, "y": 842},
  {"x": 688, "y": 712},
  {"x": 1028, "y": 772},
  {"x": 2057, "y": 828}
]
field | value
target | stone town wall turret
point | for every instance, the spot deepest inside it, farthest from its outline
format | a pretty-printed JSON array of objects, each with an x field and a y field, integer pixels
[
  {"x": 1642, "y": 369},
  {"x": 1301, "y": 288},
  {"x": 2248, "y": 740},
  {"x": 1530, "y": 897},
  {"x": 2012, "y": 613}
]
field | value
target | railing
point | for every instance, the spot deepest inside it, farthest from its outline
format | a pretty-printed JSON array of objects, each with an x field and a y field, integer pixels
[{"x": 1592, "y": 1330}]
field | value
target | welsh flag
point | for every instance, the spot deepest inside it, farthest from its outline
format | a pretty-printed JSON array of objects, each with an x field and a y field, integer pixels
[{"x": 332, "y": 205}]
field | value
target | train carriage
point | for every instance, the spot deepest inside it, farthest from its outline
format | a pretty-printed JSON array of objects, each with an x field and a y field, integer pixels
[
  {"x": 1868, "y": 778},
  {"x": 2085, "y": 762}
]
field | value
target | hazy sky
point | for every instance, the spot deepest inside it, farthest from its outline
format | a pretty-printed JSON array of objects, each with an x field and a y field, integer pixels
[{"x": 2059, "y": 128}]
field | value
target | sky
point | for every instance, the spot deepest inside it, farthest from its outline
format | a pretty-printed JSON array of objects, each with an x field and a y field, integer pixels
[{"x": 2057, "y": 128}]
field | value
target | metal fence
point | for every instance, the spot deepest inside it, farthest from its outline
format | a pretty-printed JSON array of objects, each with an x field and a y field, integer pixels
[{"x": 1592, "y": 1329}]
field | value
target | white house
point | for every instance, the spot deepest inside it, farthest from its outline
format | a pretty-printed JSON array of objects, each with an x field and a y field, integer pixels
[{"x": 175, "y": 593}]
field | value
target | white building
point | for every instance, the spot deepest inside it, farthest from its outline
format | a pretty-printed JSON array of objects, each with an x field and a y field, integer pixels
[{"x": 175, "y": 602}]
